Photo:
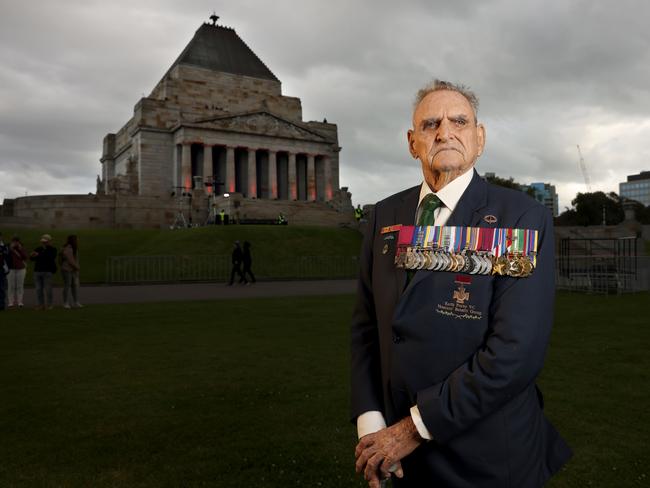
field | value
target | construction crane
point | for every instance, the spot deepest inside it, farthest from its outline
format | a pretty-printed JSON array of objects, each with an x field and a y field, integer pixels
[{"x": 583, "y": 168}]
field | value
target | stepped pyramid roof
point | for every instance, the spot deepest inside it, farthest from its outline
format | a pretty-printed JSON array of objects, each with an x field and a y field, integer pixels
[{"x": 219, "y": 48}]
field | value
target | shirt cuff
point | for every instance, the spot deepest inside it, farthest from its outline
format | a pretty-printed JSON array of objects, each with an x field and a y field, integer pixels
[
  {"x": 370, "y": 422},
  {"x": 419, "y": 424}
]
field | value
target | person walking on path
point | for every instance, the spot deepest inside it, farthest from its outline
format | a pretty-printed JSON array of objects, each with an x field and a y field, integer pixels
[
  {"x": 237, "y": 257},
  {"x": 70, "y": 272},
  {"x": 17, "y": 271},
  {"x": 4, "y": 269},
  {"x": 248, "y": 261},
  {"x": 44, "y": 258}
]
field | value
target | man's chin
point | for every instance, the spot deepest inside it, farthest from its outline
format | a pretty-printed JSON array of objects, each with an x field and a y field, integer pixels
[{"x": 448, "y": 167}]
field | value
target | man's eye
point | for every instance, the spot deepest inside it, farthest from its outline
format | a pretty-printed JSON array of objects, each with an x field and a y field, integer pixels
[
  {"x": 460, "y": 122},
  {"x": 430, "y": 124}
]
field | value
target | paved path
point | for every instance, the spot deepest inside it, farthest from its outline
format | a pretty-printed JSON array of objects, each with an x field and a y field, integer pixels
[{"x": 199, "y": 291}]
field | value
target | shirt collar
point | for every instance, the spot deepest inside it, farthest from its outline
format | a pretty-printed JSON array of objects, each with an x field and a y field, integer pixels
[{"x": 451, "y": 192}]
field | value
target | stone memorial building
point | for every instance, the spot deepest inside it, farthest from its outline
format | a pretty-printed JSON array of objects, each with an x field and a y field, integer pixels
[{"x": 215, "y": 133}]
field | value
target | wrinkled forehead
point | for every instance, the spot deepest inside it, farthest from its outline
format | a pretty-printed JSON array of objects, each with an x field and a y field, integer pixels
[{"x": 442, "y": 103}]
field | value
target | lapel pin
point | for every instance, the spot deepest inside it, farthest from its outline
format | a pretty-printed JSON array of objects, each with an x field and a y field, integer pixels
[
  {"x": 490, "y": 219},
  {"x": 385, "y": 249}
]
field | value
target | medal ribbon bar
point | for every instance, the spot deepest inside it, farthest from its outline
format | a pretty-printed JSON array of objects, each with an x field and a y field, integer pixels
[{"x": 472, "y": 250}]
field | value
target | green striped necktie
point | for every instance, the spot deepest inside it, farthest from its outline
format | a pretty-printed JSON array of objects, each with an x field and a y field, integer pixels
[{"x": 429, "y": 205}]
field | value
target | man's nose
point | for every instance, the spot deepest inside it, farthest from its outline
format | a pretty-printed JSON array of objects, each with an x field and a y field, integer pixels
[{"x": 444, "y": 131}]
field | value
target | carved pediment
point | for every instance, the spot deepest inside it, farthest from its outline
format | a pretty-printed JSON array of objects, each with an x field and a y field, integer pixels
[{"x": 261, "y": 123}]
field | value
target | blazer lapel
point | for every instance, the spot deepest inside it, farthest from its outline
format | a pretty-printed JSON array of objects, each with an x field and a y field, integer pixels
[
  {"x": 466, "y": 213},
  {"x": 405, "y": 215}
]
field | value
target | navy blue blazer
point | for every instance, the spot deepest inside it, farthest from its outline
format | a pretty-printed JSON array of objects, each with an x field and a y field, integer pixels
[{"x": 472, "y": 375}]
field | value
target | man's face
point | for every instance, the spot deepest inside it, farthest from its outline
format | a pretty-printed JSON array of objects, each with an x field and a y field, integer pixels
[{"x": 445, "y": 136}]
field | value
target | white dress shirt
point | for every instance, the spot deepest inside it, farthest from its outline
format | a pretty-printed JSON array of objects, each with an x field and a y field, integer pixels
[{"x": 449, "y": 195}]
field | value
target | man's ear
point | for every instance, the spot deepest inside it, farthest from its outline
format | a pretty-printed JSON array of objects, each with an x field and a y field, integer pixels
[
  {"x": 411, "y": 143},
  {"x": 480, "y": 129}
]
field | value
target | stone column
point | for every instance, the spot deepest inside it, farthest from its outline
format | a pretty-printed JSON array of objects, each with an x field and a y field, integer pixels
[
  {"x": 273, "y": 175},
  {"x": 186, "y": 166},
  {"x": 251, "y": 191},
  {"x": 230, "y": 169},
  {"x": 327, "y": 171},
  {"x": 207, "y": 168},
  {"x": 108, "y": 173},
  {"x": 293, "y": 187},
  {"x": 311, "y": 178}
]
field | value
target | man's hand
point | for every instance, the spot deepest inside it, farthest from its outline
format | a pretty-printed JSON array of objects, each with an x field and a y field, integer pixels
[{"x": 376, "y": 453}]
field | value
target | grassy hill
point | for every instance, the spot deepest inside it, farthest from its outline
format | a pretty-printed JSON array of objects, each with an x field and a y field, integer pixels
[{"x": 276, "y": 244}]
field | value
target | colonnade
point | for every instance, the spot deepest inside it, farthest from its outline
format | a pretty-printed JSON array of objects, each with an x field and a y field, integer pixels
[{"x": 254, "y": 172}]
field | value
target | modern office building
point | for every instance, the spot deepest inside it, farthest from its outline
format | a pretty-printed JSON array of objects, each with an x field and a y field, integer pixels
[
  {"x": 637, "y": 187},
  {"x": 545, "y": 194}
]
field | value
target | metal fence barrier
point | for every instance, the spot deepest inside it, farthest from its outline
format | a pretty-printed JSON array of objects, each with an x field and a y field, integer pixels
[
  {"x": 161, "y": 269},
  {"x": 592, "y": 274},
  {"x": 603, "y": 274}
]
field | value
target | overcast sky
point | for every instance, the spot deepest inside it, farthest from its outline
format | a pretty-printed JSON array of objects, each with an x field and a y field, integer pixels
[{"x": 550, "y": 74}]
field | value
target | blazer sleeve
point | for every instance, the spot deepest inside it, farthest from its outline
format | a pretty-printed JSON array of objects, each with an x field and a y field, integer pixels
[
  {"x": 511, "y": 357},
  {"x": 366, "y": 387}
]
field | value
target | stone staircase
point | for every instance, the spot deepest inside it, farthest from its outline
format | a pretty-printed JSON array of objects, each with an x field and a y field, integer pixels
[{"x": 295, "y": 212}]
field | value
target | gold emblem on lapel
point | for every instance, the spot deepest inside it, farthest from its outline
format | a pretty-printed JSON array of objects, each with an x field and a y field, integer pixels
[
  {"x": 490, "y": 219},
  {"x": 385, "y": 249}
]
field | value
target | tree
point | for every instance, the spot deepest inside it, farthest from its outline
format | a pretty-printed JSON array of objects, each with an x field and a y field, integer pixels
[
  {"x": 588, "y": 210},
  {"x": 641, "y": 213},
  {"x": 510, "y": 183}
]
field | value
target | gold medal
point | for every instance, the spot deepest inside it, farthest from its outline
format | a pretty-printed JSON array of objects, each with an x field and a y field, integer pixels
[
  {"x": 527, "y": 266},
  {"x": 427, "y": 259},
  {"x": 460, "y": 262},
  {"x": 452, "y": 262},
  {"x": 514, "y": 267},
  {"x": 410, "y": 259},
  {"x": 500, "y": 266},
  {"x": 385, "y": 249}
]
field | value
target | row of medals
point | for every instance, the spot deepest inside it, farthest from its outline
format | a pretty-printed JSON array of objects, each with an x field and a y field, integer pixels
[{"x": 471, "y": 262}]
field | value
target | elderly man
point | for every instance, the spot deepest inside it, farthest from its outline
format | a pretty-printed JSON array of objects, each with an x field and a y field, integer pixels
[{"x": 447, "y": 340}]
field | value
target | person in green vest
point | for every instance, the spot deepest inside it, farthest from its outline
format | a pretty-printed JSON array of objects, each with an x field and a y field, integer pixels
[
  {"x": 222, "y": 216},
  {"x": 358, "y": 213}
]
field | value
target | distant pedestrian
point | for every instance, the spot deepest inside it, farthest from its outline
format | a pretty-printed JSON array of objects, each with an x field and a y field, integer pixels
[
  {"x": 44, "y": 258},
  {"x": 248, "y": 261},
  {"x": 4, "y": 269},
  {"x": 70, "y": 273},
  {"x": 281, "y": 219},
  {"x": 358, "y": 213},
  {"x": 17, "y": 271},
  {"x": 237, "y": 258},
  {"x": 222, "y": 216}
]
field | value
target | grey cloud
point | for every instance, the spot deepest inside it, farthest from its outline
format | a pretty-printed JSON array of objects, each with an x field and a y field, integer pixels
[{"x": 550, "y": 74}]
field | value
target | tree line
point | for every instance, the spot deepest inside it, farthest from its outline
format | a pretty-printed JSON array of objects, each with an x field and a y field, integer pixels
[{"x": 588, "y": 207}]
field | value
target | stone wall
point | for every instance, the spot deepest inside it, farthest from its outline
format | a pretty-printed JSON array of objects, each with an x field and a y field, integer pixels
[
  {"x": 124, "y": 211},
  {"x": 156, "y": 152},
  {"x": 201, "y": 92},
  {"x": 92, "y": 211}
]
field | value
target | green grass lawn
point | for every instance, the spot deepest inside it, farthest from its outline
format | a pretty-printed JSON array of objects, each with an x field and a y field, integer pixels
[
  {"x": 270, "y": 244},
  {"x": 255, "y": 393}
]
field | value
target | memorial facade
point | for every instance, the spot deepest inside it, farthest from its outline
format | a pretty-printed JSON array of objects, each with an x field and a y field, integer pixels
[
  {"x": 215, "y": 132},
  {"x": 217, "y": 122}
]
